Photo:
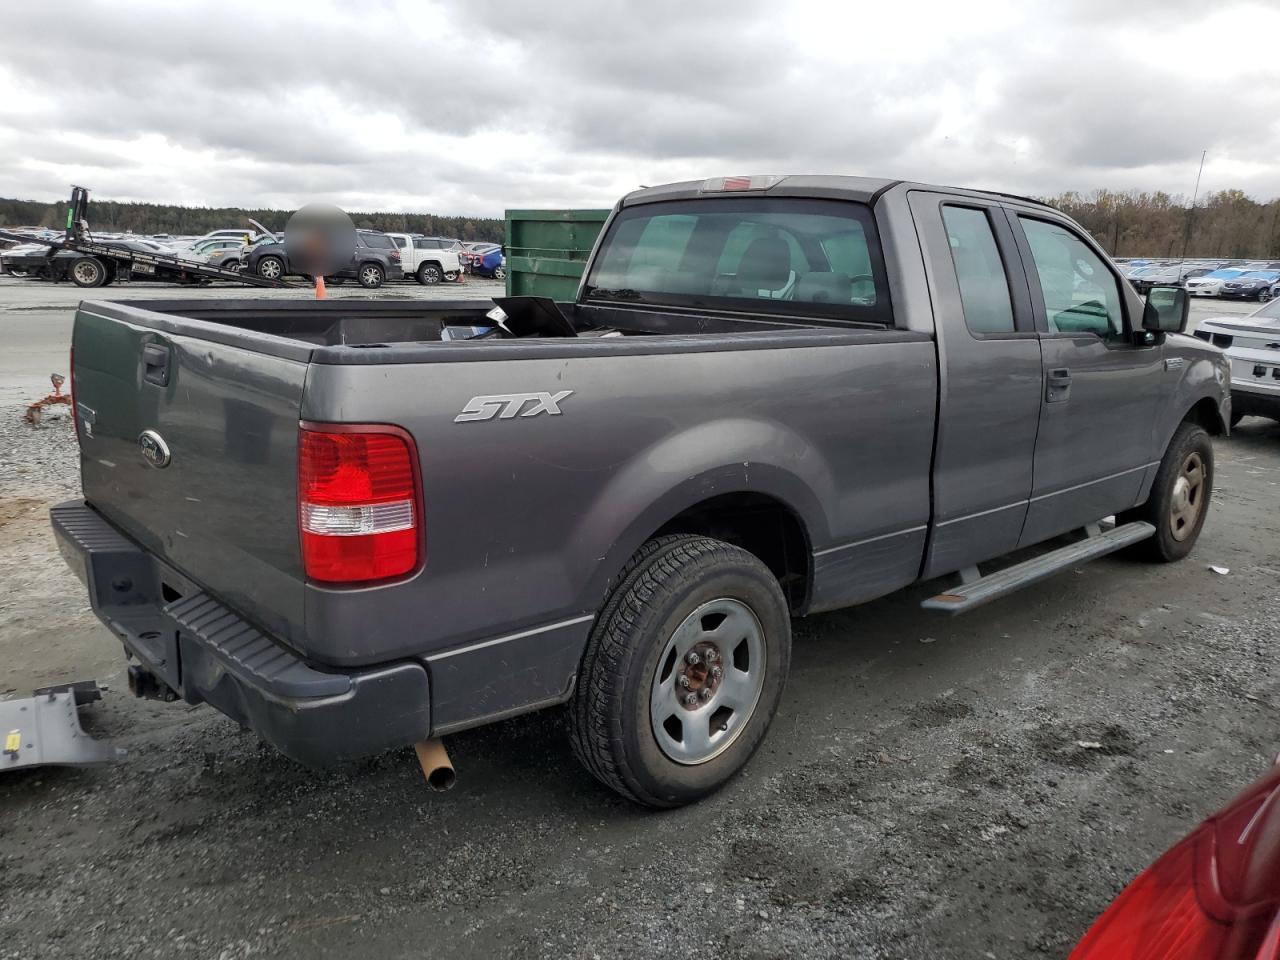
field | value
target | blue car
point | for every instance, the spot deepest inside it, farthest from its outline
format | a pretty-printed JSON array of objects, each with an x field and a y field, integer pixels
[{"x": 485, "y": 260}]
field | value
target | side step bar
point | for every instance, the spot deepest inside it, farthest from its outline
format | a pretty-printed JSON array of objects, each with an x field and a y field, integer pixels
[{"x": 982, "y": 590}]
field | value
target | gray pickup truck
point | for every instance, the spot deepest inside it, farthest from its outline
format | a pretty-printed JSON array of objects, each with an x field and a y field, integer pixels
[{"x": 355, "y": 526}]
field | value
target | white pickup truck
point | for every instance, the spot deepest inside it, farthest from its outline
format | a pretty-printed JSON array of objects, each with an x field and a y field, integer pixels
[{"x": 426, "y": 258}]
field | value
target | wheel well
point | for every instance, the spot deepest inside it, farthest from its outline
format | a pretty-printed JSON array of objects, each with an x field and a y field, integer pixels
[
  {"x": 1206, "y": 413},
  {"x": 761, "y": 525}
]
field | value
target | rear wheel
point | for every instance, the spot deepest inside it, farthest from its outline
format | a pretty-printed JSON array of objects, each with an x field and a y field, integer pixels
[
  {"x": 429, "y": 274},
  {"x": 88, "y": 272},
  {"x": 1179, "y": 500},
  {"x": 451, "y": 276},
  {"x": 371, "y": 275},
  {"x": 683, "y": 671},
  {"x": 499, "y": 272}
]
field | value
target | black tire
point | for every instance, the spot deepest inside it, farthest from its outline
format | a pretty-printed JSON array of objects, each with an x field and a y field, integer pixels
[
  {"x": 1175, "y": 537},
  {"x": 429, "y": 274},
  {"x": 87, "y": 272},
  {"x": 662, "y": 586},
  {"x": 232, "y": 265},
  {"x": 500, "y": 272},
  {"x": 451, "y": 276},
  {"x": 335, "y": 281},
  {"x": 371, "y": 275},
  {"x": 271, "y": 268}
]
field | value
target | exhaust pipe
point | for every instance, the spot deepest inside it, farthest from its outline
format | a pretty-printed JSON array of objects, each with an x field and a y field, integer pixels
[{"x": 436, "y": 765}]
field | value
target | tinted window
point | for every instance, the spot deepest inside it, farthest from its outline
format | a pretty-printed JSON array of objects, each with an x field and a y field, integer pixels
[
  {"x": 1080, "y": 294},
  {"x": 421, "y": 243},
  {"x": 400, "y": 242},
  {"x": 379, "y": 240},
  {"x": 984, "y": 285},
  {"x": 760, "y": 254}
]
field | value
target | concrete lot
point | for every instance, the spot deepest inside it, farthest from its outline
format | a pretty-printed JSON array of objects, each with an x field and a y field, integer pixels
[{"x": 922, "y": 793}]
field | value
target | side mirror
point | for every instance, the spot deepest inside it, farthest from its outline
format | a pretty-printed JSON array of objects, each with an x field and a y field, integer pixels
[{"x": 1166, "y": 310}]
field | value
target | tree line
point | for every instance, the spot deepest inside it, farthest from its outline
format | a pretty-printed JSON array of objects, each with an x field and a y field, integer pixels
[
  {"x": 1224, "y": 225},
  {"x": 109, "y": 216}
]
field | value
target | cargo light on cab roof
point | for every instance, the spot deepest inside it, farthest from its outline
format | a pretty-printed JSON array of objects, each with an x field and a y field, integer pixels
[{"x": 733, "y": 184}]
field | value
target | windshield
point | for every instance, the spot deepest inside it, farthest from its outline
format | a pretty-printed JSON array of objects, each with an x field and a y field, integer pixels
[
  {"x": 1222, "y": 275},
  {"x": 1259, "y": 275},
  {"x": 754, "y": 254}
]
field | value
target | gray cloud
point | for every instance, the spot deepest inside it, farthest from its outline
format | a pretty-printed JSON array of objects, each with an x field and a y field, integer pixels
[{"x": 468, "y": 108}]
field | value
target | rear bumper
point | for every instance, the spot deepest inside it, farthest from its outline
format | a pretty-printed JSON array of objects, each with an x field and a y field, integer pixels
[{"x": 208, "y": 654}]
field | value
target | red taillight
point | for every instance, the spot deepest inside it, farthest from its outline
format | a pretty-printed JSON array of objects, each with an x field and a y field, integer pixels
[
  {"x": 1214, "y": 896},
  {"x": 358, "y": 503}
]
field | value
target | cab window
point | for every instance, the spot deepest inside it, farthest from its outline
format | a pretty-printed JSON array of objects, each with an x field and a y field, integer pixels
[
  {"x": 773, "y": 255},
  {"x": 1081, "y": 295},
  {"x": 980, "y": 273}
]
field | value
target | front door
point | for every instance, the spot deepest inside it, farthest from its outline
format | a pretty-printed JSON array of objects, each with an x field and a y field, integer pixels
[{"x": 1102, "y": 383}]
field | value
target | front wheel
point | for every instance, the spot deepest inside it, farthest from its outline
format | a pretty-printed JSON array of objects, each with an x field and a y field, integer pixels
[
  {"x": 500, "y": 273},
  {"x": 1179, "y": 499},
  {"x": 683, "y": 671},
  {"x": 271, "y": 268},
  {"x": 429, "y": 274},
  {"x": 371, "y": 276}
]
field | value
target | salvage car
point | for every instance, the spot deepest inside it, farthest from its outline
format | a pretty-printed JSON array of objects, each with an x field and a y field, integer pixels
[
  {"x": 1210, "y": 284},
  {"x": 771, "y": 397},
  {"x": 485, "y": 260},
  {"x": 1252, "y": 344},
  {"x": 1254, "y": 285},
  {"x": 375, "y": 261}
]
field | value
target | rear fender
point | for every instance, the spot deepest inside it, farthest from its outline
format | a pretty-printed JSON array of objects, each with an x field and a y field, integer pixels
[{"x": 688, "y": 468}]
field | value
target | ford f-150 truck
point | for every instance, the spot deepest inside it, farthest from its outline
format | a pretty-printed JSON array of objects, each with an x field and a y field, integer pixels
[{"x": 355, "y": 526}]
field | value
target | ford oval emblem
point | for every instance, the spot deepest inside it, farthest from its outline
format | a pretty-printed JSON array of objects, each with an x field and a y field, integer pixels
[{"x": 154, "y": 450}]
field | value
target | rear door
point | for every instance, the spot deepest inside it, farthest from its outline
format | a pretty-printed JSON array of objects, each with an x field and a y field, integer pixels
[
  {"x": 190, "y": 446},
  {"x": 989, "y": 382},
  {"x": 1102, "y": 384}
]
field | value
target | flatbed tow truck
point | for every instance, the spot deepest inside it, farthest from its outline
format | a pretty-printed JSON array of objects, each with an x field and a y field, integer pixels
[{"x": 101, "y": 262}]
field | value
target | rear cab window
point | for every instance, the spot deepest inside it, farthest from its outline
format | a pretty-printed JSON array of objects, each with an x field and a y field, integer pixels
[
  {"x": 980, "y": 270},
  {"x": 762, "y": 255}
]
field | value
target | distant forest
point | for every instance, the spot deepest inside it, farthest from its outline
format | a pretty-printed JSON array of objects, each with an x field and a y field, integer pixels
[
  {"x": 1225, "y": 224},
  {"x": 109, "y": 216}
]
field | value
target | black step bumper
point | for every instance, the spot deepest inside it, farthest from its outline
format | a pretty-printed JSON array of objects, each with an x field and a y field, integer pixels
[{"x": 208, "y": 654}]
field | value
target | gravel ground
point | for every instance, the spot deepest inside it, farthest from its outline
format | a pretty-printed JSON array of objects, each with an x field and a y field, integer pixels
[{"x": 923, "y": 792}]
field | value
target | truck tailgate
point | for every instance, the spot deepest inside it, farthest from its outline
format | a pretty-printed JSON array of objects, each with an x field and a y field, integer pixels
[{"x": 189, "y": 446}]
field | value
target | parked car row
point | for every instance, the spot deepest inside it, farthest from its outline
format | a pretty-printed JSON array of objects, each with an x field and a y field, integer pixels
[{"x": 1234, "y": 279}]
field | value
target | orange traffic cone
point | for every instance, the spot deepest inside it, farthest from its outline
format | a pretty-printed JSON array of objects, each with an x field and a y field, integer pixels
[{"x": 321, "y": 294}]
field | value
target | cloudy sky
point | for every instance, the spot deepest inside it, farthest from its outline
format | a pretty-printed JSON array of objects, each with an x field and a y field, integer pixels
[{"x": 473, "y": 107}]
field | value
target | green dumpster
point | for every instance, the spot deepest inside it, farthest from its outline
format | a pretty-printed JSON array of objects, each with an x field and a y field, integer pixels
[{"x": 547, "y": 250}]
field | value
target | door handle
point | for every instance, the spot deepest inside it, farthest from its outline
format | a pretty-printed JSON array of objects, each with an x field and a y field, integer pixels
[
  {"x": 1057, "y": 385},
  {"x": 155, "y": 364}
]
